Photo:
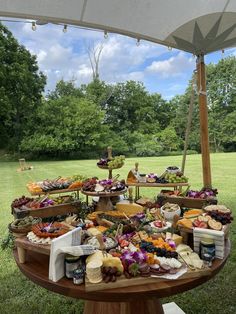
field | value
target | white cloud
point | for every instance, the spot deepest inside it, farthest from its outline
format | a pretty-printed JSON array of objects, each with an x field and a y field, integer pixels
[
  {"x": 174, "y": 66},
  {"x": 64, "y": 56}
]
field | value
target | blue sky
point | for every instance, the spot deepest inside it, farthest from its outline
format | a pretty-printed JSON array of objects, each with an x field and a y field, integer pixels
[{"x": 64, "y": 56}]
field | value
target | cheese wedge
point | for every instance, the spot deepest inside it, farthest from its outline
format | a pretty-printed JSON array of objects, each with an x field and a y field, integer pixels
[
  {"x": 174, "y": 237},
  {"x": 177, "y": 239}
]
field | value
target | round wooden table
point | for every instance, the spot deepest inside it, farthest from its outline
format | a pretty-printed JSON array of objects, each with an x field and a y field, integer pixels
[{"x": 129, "y": 300}]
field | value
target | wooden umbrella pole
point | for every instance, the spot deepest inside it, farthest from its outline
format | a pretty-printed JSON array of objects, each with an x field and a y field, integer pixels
[{"x": 203, "y": 114}]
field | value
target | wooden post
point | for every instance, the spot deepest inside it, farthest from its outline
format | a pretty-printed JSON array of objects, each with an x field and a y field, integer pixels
[{"x": 203, "y": 114}]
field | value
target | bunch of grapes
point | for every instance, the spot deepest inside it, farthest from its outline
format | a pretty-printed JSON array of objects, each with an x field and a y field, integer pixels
[
  {"x": 224, "y": 218},
  {"x": 150, "y": 248},
  {"x": 175, "y": 177},
  {"x": 21, "y": 201},
  {"x": 116, "y": 162},
  {"x": 103, "y": 162},
  {"x": 110, "y": 274},
  {"x": 161, "y": 180}
]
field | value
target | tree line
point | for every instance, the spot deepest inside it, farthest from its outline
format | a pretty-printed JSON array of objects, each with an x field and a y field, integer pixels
[{"x": 80, "y": 122}]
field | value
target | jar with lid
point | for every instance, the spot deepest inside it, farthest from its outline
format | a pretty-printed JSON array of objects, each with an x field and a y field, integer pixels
[
  {"x": 207, "y": 250},
  {"x": 142, "y": 178},
  {"x": 78, "y": 276},
  {"x": 71, "y": 263}
]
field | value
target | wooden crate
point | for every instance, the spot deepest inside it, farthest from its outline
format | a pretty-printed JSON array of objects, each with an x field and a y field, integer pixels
[
  {"x": 217, "y": 236},
  {"x": 188, "y": 238},
  {"x": 185, "y": 201},
  {"x": 49, "y": 211}
]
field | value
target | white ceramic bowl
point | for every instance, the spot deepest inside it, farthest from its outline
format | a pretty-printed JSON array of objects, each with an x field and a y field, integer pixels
[
  {"x": 168, "y": 225},
  {"x": 170, "y": 215},
  {"x": 173, "y": 171}
]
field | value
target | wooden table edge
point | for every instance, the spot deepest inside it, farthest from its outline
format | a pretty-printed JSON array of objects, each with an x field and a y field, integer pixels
[{"x": 122, "y": 294}]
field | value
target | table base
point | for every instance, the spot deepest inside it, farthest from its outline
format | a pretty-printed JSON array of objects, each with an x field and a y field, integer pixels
[{"x": 151, "y": 306}]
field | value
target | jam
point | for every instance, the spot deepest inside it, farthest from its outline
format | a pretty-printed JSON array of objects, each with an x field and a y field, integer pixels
[{"x": 207, "y": 250}]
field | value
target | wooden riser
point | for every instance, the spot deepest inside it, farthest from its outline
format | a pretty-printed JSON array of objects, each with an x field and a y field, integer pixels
[
  {"x": 49, "y": 211},
  {"x": 54, "y": 191},
  {"x": 186, "y": 201}
]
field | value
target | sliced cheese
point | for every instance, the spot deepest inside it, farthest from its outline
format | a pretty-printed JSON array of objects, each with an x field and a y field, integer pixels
[{"x": 183, "y": 248}]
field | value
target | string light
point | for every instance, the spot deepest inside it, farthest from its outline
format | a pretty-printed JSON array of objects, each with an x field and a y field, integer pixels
[
  {"x": 105, "y": 34},
  {"x": 33, "y": 26},
  {"x": 65, "y": 28},
  {"x": 138, "y": 42},
  {"x": 169, "y": 48},
  {"x": 223, "y": 53}
]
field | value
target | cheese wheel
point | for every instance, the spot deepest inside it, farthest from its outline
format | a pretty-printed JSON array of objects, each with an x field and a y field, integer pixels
[{"x": 129, "y": 208}]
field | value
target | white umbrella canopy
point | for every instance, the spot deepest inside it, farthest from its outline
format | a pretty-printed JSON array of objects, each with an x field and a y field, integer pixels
[
  {"x": 198, "y": 27},
  {"x": 195, "y": 26}
]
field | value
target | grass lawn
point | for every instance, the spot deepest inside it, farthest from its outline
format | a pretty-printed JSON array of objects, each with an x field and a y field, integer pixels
[{"x": 21, "y": 296}]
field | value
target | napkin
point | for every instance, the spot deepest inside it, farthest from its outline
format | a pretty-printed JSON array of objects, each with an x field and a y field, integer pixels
[{"x": 68, "y": 243}]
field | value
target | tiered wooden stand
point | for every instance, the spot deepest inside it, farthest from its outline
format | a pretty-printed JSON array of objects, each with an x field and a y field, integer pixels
[
  {"x": 104, "y": 202},
  {"x": 49, "y": 211},
  {"x": 109, "y": 156}
]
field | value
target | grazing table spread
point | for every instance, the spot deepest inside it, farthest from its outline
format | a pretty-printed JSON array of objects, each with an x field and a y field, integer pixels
[{"x": 120, "y": 254}]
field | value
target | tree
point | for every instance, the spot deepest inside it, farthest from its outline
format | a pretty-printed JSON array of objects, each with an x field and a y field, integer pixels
[
  {"x": 130, "y": 107},
  {"x": 168, "y": 139},
  {"x": 146, "y": 145},
  {"x": 229, "y": 132},
  {"x": 180, "y": 105},
  {"x": 98, "y": 92},
  {"x": 64, "y": 89},
  {"x": 94, "y": 54},
  {"x": 65, "y": 125},
  {"x": 221, "y": 91},
  {"x": 21, "y": 87}
]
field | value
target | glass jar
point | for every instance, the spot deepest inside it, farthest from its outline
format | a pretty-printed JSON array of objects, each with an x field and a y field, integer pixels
[
  {"x": 207, "y": 250},
  {"x": 71, "y": 263},
  {"x": 142, "y": 178},
  {"x": 78, "y": 276}
]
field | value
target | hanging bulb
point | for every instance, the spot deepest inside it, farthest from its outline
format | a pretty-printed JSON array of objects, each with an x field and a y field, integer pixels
[
  {"x": 138, "y": 42},
  {"x": 223, "y": 53},
  {"x": 65, "y": 28},
  {"x": 169, "y": 48},
  {"x": 33, "y": 26},
  {"x": 105, "y": 34}
]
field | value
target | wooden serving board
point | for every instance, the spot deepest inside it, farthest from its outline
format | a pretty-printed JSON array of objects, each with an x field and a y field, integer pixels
[
  {"x": 54, "y": 191},
  {"x": 48, "y": 211},
  {"x": 146, "y": 184},
  {"x": 187, "y": 201},
  {"x": 25, "y": 244},
  {"x": 122, "y": 281},
  {"x": 225, "y": 229},
  {"x": 104, "y": 194}
]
